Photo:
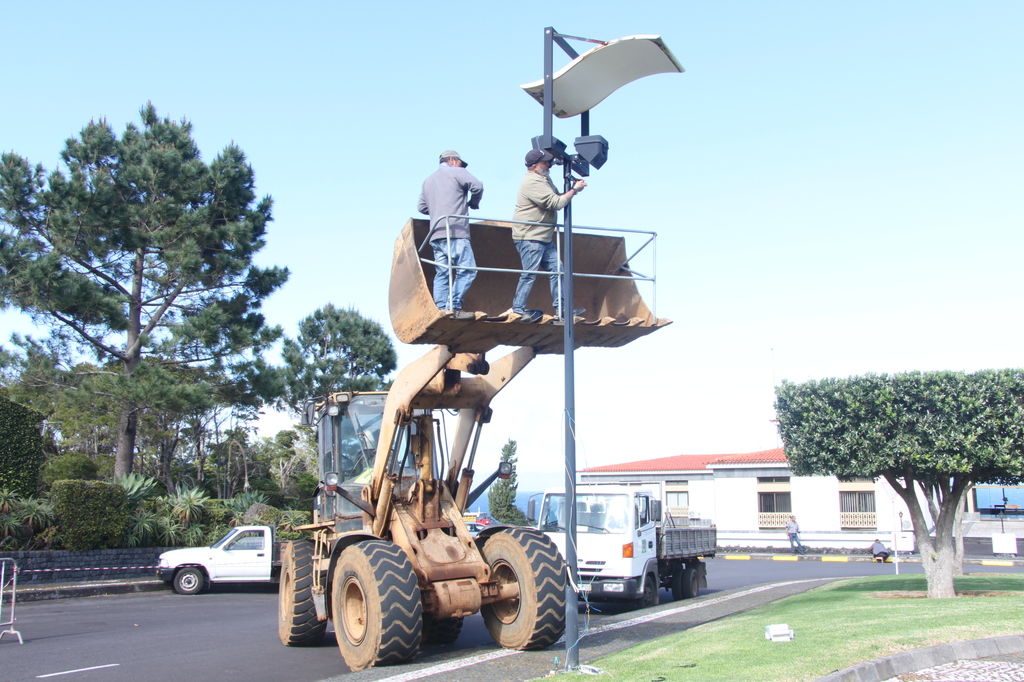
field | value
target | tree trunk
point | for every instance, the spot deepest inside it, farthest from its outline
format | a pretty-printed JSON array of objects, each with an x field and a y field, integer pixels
[
  {"x": 128, "y": 426},
  {"x": 127, "y": 429}
]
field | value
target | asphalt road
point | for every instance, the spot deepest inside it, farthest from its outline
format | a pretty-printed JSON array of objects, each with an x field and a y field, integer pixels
[{"x": 230, "y": 634}]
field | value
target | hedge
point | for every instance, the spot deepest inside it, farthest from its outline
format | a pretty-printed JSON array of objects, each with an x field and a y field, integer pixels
[
  {"x": 21, "y": 448},
  {"x": 90, "y": 514}
]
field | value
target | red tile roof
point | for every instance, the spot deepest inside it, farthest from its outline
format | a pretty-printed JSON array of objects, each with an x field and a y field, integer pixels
[{"x": 695, "y": 462}]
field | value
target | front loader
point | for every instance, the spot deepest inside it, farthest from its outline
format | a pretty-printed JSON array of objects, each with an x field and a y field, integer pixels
[{"x": 389, "y": 560}]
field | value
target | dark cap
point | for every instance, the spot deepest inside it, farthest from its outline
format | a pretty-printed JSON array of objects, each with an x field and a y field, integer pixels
[
  {"x": 536, "y": 156},
  {"x": 451, "y": 154}
]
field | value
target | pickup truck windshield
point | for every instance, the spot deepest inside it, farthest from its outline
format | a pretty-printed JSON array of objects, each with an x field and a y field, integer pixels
[
  {"x": 594, "y": 513},
  {"x": 223, "y": 538}
]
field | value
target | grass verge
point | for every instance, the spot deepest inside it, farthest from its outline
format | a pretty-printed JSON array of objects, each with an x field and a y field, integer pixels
[{"x": 836, "y": 626}]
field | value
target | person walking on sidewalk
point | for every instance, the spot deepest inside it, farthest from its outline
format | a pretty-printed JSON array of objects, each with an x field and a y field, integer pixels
[
  {"x": 450, "y": 191},
  {"x": 793, "y": 531}
]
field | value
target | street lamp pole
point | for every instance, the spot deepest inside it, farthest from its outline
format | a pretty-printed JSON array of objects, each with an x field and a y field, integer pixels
[{"x": 572, "y": 644}]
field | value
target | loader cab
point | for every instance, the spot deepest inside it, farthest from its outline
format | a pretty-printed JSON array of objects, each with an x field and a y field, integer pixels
[{"x": 347, "y": 428}]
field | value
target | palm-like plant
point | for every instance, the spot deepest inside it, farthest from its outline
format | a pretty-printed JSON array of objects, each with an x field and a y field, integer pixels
[
  {"x": 188, "y": 505},
  {"x": 8, "y": 500},
  {"x": 35, "y": 513},
  {"x": 10, "y": 525},
  {"x": 137, "y": 486},
  {"x": 240, "y": 503},
  {"x": 168, "y": 531},
  {"x": 194, "y": 536},
  {"x": 143, "y": 527}
]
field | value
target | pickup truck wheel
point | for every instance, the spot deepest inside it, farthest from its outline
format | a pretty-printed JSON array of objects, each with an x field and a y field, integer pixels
[
  {"x": 441, "y": 630},
  {"x": 296, "y": 614},
  {"x": 189, "y": 581},
  {"x": 537, "y": 618},
  {"x": 375, "y": 602},
  {"x": 650, "y": 594}
]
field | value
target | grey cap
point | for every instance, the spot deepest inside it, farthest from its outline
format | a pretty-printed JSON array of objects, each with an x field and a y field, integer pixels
[
  {"x": 451, "y": 154},
  {"x": 536, "y": 156}
]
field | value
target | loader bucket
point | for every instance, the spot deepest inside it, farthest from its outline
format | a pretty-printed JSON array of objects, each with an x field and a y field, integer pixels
[{"x": 615, "y": 314}]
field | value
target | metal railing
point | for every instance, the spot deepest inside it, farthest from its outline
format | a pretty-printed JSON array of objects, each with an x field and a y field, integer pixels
[
  {"x": 772, "y": 519},
  {"x": 857, "y": 520},
  {"x": 652, "y": 241},
  {"x": 8, "y": 596}
]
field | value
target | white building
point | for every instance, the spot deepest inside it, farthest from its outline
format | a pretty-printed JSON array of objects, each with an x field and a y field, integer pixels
[{"x": 750, "y": 496}]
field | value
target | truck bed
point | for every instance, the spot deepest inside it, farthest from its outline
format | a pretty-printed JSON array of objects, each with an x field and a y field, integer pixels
[{"x": 686, "y": 543}]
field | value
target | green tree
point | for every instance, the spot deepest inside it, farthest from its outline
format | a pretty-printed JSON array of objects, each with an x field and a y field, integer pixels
[
  {"x": 931, "y": 436},
  {"x": 501, "y": 498},
  {"x": 141, "y": 254},
  {"x": 336, "y": 350},
  {"x": 69, "y": 466}
]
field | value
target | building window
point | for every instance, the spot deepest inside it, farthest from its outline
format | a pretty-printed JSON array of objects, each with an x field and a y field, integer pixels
[
  {"x": 677, "y": 499},
  {"x": 770, "y": 503},
  {"x": 857, "y": 509}
]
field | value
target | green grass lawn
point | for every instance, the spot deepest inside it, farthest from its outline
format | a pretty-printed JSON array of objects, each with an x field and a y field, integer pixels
[{"x": 836, "y": 626}]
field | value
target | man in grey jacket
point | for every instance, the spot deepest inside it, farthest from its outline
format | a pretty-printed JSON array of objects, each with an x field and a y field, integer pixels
[
  {"x": 538, "y": 202},
  {"x": 450, "y": 191}
]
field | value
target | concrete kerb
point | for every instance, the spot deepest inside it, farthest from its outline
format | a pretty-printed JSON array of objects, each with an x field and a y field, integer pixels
[
  {"x": 845, "y": 558},
  {"x": 921, "y": 659},
  {"x": 89, "y": 589}
]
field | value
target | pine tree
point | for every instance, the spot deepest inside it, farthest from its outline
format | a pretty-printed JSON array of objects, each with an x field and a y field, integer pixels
[
  {"x": 142, "y": 255},
  {"x": 502, "y": 497}
]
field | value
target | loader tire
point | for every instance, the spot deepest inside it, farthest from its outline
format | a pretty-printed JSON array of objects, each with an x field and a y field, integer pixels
[
  {"x": 536, "y": 619},
  {"x": 441, "y": 630},
  {"x": 296, "y": 615},
  {"x": 375, "y": 602}
]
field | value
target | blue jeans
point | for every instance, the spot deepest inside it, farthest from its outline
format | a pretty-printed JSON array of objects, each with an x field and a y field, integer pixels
[
  {"x": 462, "y": 256},
  {"x": 536, "y": 255}
]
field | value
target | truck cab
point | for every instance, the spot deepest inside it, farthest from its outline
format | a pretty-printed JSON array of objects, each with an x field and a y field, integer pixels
[
  {"x": 625, "y": 549},
  {"x": 616, "y": 536}
]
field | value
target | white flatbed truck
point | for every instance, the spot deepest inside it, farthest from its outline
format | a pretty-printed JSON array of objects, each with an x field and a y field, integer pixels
[{"x": 627, "y": 549}]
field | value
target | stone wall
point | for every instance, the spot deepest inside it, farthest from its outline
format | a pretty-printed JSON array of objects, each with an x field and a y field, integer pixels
[{"x": 100, "y": 564}]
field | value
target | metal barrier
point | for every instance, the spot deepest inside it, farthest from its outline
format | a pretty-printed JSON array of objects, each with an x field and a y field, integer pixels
[
  {"x": 651, "y": 239},
  {"x": 8, "y": 584}
]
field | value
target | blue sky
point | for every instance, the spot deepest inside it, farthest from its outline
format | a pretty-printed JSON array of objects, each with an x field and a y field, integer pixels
[{"x": 836, "y": 186}]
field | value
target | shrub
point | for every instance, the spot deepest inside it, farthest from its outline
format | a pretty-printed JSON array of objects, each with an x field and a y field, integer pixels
[
  {"x": 90, "y": 514},
  {"x": 21, "y": 448},
  {"x": 71, "y": 466}
]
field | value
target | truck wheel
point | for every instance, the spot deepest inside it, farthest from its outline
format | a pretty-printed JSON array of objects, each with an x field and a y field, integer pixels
[
  {"x": 296, "y": 615},
  {"x": 691, "y": 583},
  {"x": 650, "y": 595},
  {"x": 375, "y": 602},
  {"x": 537, "y": 618},
  {"x": 189, "y": 581},
  {"x": 441, "y": 630},
  {"x": 678, "y": 578}
]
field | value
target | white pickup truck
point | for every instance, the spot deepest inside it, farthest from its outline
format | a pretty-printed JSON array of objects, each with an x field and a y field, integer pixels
[
  {"x": 626, "y": 549},
  {"x": 247, "y": 554}
]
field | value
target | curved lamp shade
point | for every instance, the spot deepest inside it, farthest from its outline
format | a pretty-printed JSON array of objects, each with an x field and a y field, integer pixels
[{"x": 582, "y": 83}]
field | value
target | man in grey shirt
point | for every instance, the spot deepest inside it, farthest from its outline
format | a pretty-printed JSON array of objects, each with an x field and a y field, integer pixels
[{"x": 450, "y": 191}]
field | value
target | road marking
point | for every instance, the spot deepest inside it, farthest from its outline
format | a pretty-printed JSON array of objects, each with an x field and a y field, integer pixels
[
  {"x": 993, "y": 562},
  {"x": 738, "y": 557},
  {"x": 79, "y": 670},
  {"x": 841, "y": 559},
  {"x": 785, "y": 558},
  {"x": 456, "y": 664}
]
